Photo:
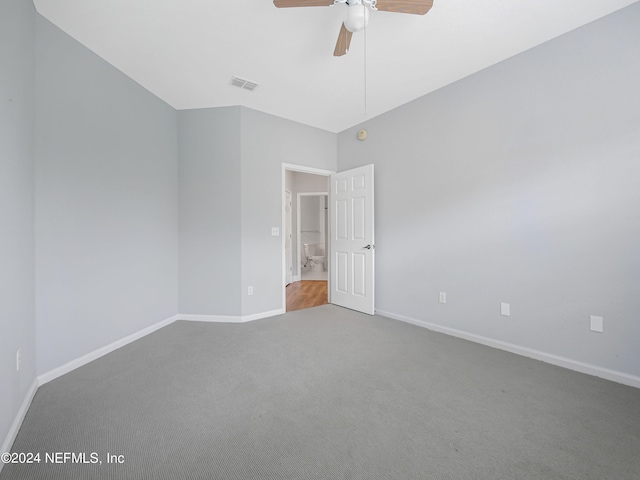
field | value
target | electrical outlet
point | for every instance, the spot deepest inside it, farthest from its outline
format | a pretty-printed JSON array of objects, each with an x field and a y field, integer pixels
[
  {"x": 18, "y": 359},
  {"x": 442, "y": 297},
  {"x": 505, "y": 309},
  {"x": 250, "y": 291}
]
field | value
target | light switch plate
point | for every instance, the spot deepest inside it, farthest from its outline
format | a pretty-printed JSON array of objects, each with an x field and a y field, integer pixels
[
  {"x": 596, "y": 324},
  {"x": 275, "y": 231},
  {"x": 505, "y": 309}
]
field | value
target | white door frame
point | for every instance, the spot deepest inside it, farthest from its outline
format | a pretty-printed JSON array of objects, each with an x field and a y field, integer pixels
[
  {"x": 288, "y": 259},
  {"x": 303, "y": 169},
  {"x": 298, "y": 218}
]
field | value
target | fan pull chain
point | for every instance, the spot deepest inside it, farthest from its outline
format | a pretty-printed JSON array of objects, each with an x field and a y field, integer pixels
[{"x": 365, "y": 66}]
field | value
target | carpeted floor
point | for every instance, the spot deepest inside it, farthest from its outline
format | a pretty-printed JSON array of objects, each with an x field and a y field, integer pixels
[{"x": 326, "y": 393}]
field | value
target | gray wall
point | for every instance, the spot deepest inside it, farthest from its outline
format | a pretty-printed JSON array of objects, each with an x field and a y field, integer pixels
[
  {"x": 17, "y": 322},
  {"x": 519, "y": 184},
  {"x": 230, "y": 197},
  {"x": 106, "y": 202},
  {"x": 310, "y": 214},
  {"x": 267, "y": 142},
  {"x": 209, "y": 152}
]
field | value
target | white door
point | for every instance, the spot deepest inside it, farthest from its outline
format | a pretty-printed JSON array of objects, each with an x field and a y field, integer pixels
[
  {"x": 352, "y": 241},
  {"x": 288, "y": 253}
]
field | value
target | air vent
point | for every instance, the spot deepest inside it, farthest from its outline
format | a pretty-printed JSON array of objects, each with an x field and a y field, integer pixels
[{"x": 242, "y": 83}]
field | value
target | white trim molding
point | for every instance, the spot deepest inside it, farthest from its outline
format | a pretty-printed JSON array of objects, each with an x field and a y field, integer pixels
[
  {"x": 229, "y": 318},
  {"x": 210, "y": 318},
  {"x": 68, "y": 367},
  {"x": 91, "y": 356},
  {"x": 258, "y": 316},
  {"x": 17, "y": 422},
  {"x": 305, "y": 169},
  {"x": 607, "y": 374}
]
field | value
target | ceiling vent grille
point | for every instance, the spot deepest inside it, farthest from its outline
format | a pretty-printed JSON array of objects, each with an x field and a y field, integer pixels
[{"x": 242, "y": 83}]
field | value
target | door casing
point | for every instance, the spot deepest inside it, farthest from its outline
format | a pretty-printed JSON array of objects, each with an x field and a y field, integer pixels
[{"x": 288, "y": 248}]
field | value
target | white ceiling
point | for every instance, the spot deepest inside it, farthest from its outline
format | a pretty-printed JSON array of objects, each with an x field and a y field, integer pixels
[{"x": 185, "y": 51}]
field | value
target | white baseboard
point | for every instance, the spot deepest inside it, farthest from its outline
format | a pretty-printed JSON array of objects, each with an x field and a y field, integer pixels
[
  {"x": 17, "y": 422},
  {"x": 613, "y": 375},
  {"x": 257, "y": 316},
  {"x": 229, "y": 318},
  {"x": 68, "y": 367},
  {"x": 210, "y": 318},
  {"x": 89, "y": 357}
]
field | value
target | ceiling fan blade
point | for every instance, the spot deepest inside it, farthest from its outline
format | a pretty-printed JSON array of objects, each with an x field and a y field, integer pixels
[
  {"x": 302, "y": 3},
  {"x": 344, "y": 40},
  {"x": 416, "y": 7}
]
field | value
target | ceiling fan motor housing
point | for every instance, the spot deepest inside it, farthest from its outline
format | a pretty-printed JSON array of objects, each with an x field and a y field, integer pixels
[
  {"x": 357, "y": 17},
  {"x": 369, "y": 3}
]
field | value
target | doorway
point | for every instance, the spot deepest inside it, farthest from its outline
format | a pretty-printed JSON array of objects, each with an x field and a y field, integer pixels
[
  {"x": 305, "y": 246},
  {"x": 350, "y": 232}
]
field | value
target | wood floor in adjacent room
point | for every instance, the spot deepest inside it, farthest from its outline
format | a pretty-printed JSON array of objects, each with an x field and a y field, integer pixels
[{"x": 306, "y": 294}]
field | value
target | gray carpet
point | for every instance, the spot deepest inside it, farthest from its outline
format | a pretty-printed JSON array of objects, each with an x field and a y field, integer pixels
[{"x": 328, "y": 393}]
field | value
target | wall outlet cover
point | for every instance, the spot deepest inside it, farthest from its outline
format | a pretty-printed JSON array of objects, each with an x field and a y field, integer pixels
[{"x": 505, "y": 309}]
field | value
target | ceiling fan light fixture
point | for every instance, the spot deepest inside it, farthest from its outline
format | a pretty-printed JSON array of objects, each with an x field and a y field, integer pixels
[{"x": 357, "y": 17}]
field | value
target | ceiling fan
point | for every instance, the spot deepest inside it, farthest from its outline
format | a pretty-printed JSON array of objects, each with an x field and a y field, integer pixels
[{"x": 358, "y": 14}]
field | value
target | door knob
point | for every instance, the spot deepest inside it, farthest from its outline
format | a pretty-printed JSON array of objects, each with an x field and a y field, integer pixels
[{"x": 369, "y": 247}]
